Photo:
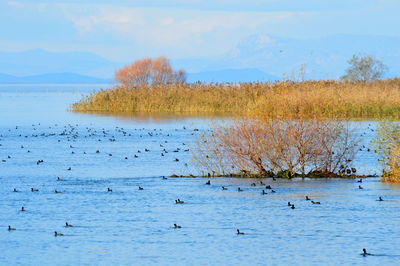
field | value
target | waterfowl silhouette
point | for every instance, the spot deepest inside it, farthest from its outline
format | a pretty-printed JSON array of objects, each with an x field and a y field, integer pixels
[
  {"x": 140, "y": 188},
  {"x": 109, "y": 189},
  {"x": 253, "y": 184},
  {"x": 239, "y": 189},
  {"x": 178, "y": 201},
  {"x": 273, "y": 191},
  {"x": 34, "y": 189},
  {"x": 315, "y": 202},
  {"x": 68, "y": 225},
  {"x": 224, "y": 188},
  {"x": 264, "y": 193},
  {"x": 10, "y": 228},
  {"x": 268, "y": 187},
  {"x": 22, "y": 209},
  {"x": 177, "y": 226},
  {"x": 289, "y": 204},
  {"x": 57, "y": 192},
  {"x": 59, "y": 179},
  {"x": 365, "y": 253},
  {"x": 57, "y": 234},
  {"x": 208, "y": 182},
  {"x": 359, "y": 181},
  {"x": 360, "y": 187},
  {"x": 238, "y": 232},
  {"x": 307, "y": 198},
  {"x": 69, "y": 169},
  {"x": 380, "y": 199},
  {"x": 15, "y": 190},
  {"x": 292, "y": 207}
]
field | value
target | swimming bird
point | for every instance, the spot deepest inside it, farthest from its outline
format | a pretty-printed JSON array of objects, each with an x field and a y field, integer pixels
[
  {"x": 268, "y": 187},
  {"x": 253, "y": 184},
  {"x": 239, "y": 189},
  {"x": 359, "y": 181},
  {"x": 10, "y": 228},
  {"x": 34, "y": 189},
  {"x": 68, "y": 225},
  {"x": 365, "y": 253},
  {"x": 360, "y": 187},
  {"x": 292, "y": 207},
  {"x": 59, "y": 179},
  {"x": 264, "y": 193},
  {"x": 109, "y": 189},
  {"x": 177, "y": 226},
  {"x": 57, "y": 192},
  {"x": 57, "y": 234},
  {"x": 289, "y": 204},
  {"x": 178, "y": 201},
  {"x": 307, "y": 198},
  {"x": 140, "y": 188},
  {"x": 22, "y": 209},
  {"x": 315, "y": 202},
  {"x": 380, "y": 199},
  {"x": 15, "y": 190},
  {"x": 238, "y": 232},
  {"x": 208, "y": 182},
  {"x": 69, "y": 169},
  {"x": 224, "y": 188}
]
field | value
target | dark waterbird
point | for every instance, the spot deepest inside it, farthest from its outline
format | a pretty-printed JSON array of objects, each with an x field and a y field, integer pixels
[
  {"x": 178, "y": 201},
  {"x": 208, "y": 182},
  {"x": 315, "y": 202},
  {"x": 34, "y": 189},
  {"x": 22, "y": 209},
  {"x": 264, "y": 193},
  {"x": 68, "y": 225},
  {"x": 380, "y": 199},
  {"x": 360, "y": 187},
  {"x": 15, "y": 190},
  {"x": 224, "y": 188},
  {"x": 140, "y": 188},
  {"x": 239, "y": 189},
  {"x": 307, "y": 198},
  {"x": 109, "y": 189},
  {"x": 10, "y": 228},
  {"x": 365, "y": 253},
  {"x": 177, "y": 226},
  {"x": 238, "y": 232},
  {"x": 57, "y": 234}
]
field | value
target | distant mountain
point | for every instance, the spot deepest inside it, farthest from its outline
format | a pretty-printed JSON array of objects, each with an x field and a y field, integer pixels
[
  {"x": 38, "y": 61},
  {"x": 231, "y": 75},
  {"x": 53, "y": 78},
  {"x": 323, "y": 58}
]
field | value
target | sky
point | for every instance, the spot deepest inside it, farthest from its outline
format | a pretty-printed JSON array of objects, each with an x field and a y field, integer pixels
[{"x": 122, "y": 30}]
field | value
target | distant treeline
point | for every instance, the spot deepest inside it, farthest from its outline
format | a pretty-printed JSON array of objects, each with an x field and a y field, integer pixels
[{"x": 343, "y": 99}]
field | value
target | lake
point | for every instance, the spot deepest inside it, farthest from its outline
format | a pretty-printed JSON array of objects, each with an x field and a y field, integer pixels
[{"x": 128, "y": 226}]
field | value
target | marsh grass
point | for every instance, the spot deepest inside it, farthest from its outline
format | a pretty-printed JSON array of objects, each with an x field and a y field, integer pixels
[
  {"x": 324, "y": 99},
  {"x": 387, "y": 146}
]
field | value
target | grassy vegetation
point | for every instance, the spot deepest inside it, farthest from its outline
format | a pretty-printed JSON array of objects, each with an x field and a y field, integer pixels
[
  {"x": 348, "y": 100},
  {"x": 387, "y": 145}
]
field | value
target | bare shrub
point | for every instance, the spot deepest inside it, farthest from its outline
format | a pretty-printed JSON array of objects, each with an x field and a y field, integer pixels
[
  {"x": 270, "y": 147},
  {"x": 387, "y": 146}
]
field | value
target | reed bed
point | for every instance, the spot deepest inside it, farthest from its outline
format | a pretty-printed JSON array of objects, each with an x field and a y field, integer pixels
[{"x": 324, "y": 99}]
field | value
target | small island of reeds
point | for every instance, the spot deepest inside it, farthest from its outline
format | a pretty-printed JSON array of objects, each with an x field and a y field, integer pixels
[{"x": 324, "y": 99}]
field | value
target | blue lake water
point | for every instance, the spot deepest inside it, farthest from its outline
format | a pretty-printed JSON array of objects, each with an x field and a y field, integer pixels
[{"x": 129, "y": 226}]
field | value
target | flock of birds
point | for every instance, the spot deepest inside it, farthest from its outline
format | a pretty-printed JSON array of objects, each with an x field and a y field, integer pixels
[{"x": 70, "y": 133}]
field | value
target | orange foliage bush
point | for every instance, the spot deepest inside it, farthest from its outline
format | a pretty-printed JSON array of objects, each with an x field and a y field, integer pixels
[{"x": 149, "y": 71}]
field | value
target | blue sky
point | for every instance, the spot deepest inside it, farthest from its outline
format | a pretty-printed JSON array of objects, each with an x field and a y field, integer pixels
[{"x": 125, "y": 30}]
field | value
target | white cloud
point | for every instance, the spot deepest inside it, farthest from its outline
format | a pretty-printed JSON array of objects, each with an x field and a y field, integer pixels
[{"x": 187, "y": 31}]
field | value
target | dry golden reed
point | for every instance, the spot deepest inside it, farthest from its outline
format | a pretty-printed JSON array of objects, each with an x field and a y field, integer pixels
[{"x": 325, "y": 99}]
